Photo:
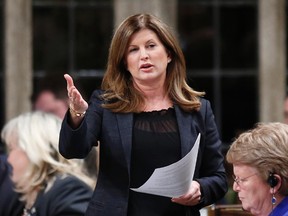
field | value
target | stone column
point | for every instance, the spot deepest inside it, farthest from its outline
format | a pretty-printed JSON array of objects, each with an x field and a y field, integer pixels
[
  {"x": 164, "y": 9},
  {"x": 17, "y": 56},
  {"x": 272, "y": 59}
]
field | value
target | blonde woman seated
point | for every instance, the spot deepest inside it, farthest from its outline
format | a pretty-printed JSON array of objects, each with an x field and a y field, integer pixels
[
  {"x": 49, "y": 184},
  {"x": 260, "y": 164}
]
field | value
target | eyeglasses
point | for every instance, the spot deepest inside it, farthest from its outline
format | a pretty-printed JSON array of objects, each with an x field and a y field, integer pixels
[{"x": 239, "y": 181}]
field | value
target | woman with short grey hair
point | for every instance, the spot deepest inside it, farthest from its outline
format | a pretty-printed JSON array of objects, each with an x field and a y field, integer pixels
[{"x": 260, "y": 163}]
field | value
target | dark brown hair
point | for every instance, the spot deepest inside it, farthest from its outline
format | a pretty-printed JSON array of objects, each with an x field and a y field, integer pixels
[{"x": 120, "y": 95}]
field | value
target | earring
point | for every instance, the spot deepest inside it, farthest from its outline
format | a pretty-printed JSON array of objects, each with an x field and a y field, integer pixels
[{"x": 273, "y": 198}]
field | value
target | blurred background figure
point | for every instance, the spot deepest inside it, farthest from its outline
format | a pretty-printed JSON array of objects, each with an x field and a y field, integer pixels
[
  {"x": 51, "y": 101},
  {"x": 259, "y": 159},
  {"x": 49, "y": 184},
  {"x": 52, "y": 98}
]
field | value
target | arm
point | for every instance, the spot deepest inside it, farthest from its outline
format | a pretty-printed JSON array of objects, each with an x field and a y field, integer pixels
[
  {"x": 76, "y": 143},
  {"x": 81, "y": 125},
  {"x": 210, "y": 182},
  {"x": 212, "y": 175}
]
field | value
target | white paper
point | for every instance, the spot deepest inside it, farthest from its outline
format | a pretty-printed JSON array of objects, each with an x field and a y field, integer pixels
[{"x": 175, "y": 179}]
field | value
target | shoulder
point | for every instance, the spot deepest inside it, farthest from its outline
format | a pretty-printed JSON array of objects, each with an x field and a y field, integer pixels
[
  {"x": 205, "y": 114},
  {"x": 97, "y": 94},
  {"x": 4, "y": 169},
  {"x": 65, "y": 187},
  {"x": 205, "y": 107},
  {"x": 205, "y": 103},
  {"x": 97, "y": 97},
  {"x": 202, "y": 110},
  {"x": 67, "y": 194},
  {"x": 68, "y": 182},
  {"x": 9, "y": 199}
]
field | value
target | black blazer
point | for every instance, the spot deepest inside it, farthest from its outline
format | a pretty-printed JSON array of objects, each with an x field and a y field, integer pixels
[
  {"x": 9, "y": 199},
  {"x": 114, "y": 131},
  {"x": 67, "y": 197}
]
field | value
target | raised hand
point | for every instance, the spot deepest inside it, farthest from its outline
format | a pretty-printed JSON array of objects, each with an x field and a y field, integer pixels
[{"x": 77, "y": 104}]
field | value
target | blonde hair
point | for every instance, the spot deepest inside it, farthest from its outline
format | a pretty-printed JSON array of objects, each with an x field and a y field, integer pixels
[
  {"x": 37, "y": 134},
  {"x": 120, "y": 95},
  {"x": 264, "y": 147}
]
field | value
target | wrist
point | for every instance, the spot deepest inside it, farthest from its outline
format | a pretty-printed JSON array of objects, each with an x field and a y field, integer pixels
[{"x": 76, "y": 113}]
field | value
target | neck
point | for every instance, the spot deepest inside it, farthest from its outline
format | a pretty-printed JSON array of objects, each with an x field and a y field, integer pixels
[
  {"x": 155, "y": 97},
  {"x": 269, "y": 208},
  {"x": 31, "y": 198},
  {"x": 151, "y": 90},
  {"x": 157, "y": 102}
]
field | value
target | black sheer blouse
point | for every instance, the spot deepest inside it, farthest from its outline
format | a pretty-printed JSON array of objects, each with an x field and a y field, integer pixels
[{"x": 156, "y": 143}]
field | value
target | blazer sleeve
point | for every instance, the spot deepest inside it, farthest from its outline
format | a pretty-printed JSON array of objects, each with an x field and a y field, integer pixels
[
  {"x": 211, "y": 173},
  {"x": 77, "y": 143}
]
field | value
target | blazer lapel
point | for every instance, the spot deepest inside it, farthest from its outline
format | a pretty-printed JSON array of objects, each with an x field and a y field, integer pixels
[
  {"x": 125, "y": 125},
  {"x": 186, "y": 127},
  {"x": 187, "y": 130}
]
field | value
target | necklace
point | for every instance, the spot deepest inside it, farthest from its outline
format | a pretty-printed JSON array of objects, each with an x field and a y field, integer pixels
[
  {"x": 29, "y": 209},
  {"x": 29, "y": 212},
  {"x": 158, "y": 105}
]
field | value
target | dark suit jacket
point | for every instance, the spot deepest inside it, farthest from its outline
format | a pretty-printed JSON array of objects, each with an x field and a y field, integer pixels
[
  {"x": 114, "y": 131},
  {"x": 67, "y": 197},
  {"x": 10, "y": 204}
]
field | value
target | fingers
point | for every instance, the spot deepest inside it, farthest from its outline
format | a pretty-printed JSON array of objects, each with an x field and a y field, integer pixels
[
  {"x": 70, "y": 87},
  {"x": 73, "y": 93},
  {"x": 69, "y": 81},
  {"x": 76, "y": 101},
  {"x": 192, "y": 197},
  {"x": 188, "y": 201}
]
